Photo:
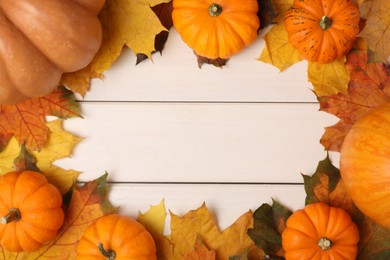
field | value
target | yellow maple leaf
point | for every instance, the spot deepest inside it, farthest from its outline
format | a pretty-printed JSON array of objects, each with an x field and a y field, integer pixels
[
  {"x": 125, "y": 23},
  {"x": 377, "y": 28},
  {"x": 154, "y": 222},
  {"x": 330, "y": 78},
  {"x": 59, "y": 145},
  {"x": 232, "y": 241},
  {"x": 279, "y": 51}
]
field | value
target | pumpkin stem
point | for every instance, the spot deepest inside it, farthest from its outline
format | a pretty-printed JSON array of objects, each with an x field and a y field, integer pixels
[
  {"x": 215, "y": 9},
  {"x": 108, "y": 254},
  {"x": 324, "y": 243},
  {"x": 12, "y": 215},
  {"x": 325, "y": 22}
]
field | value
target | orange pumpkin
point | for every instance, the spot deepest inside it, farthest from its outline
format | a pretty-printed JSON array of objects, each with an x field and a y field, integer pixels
[
  {"x": 322, "y": 30},
  {"x": 116, "y": 237},
  {"x": 216, "y": 28},
  {"x": 30, "y": 209},
  {"x": 40, "y": 40},
  {"x": 365, "y": 164},
  {"x": 320, "y": 232}
]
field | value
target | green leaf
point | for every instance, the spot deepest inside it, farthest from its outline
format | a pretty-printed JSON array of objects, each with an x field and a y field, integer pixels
[{"x": 269, "y": 223}]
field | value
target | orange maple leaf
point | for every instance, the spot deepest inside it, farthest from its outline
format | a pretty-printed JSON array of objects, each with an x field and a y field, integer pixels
[
  {"x": 368, "y": 88},
  {"x": 26, "y": 120}
]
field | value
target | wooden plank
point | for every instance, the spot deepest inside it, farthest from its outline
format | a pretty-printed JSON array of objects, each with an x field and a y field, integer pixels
[
  {"x": 184, "y": 142},
  {"x": 227, "y": 202},
  {"x": 175, "y": 76}
]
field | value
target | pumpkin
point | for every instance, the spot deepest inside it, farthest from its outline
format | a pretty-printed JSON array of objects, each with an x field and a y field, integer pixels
[
  {"x": 40, "y": 40},
  {"x": 216, "y": 28},
  {"x": 30, "y": 209},
  {"x": 322, "y": 30},
  {"x": 321, "y": 232},
  {"x": 116, "y": 236},
  {"x": 365, "y": 164}
]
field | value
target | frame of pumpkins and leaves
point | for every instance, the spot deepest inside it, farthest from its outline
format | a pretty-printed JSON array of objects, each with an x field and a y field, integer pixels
[{"x": 45, "y": 214}]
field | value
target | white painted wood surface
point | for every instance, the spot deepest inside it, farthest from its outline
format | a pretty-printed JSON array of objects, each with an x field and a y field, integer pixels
[{"x": 232, "y": 137}]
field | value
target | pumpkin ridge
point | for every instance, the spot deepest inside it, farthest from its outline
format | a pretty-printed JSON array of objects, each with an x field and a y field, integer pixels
[{"x": 313, "y": 12}]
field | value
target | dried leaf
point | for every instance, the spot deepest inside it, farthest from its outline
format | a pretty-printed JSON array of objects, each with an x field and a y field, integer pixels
[
  {"x": 125, "y": 23},
  {"x": 25, "y": 161},
  {"x": 327, "y": 186},
  {"x": 164, "y": 13},
  {"x": 200, "y": 252},
  {"x": 26, "y": 120},
  {"x": 241, "y": 256},
  {"x": 369, "y": 87},
  {"x": 154, "y": 221},
  {"x": 278, "y": 51},
  {"x": 215, "y": 62},
  {"x": 87, "y": 204},
  {"x": 59, "y": 146},
  {"x": 328, "y": 79},
  {"x": 269, "y": 223},
  {"x": 201, "y": 222},
  {"x": 377, "y": 28},
  {"x": 266, "y": 13}
]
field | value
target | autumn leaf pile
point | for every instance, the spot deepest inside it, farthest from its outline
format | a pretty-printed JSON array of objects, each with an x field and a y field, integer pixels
[{"x": 347, "y": 88}]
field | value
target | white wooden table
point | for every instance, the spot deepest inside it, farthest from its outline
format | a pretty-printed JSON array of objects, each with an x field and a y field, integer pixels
[{"x": 233, "y": 137}]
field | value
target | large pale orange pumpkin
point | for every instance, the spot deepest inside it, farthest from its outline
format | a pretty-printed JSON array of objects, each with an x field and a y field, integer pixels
[
  {"x": 30, "y": 210},
  {"x": 320, "y": 232},
  {"x": 365, "y": 164},
  {"x": 40, "y": 40},
  {"x": 322, "y": 30},
  {"x": 216, "y": 28},
  {"x": 116, "y": 237}
]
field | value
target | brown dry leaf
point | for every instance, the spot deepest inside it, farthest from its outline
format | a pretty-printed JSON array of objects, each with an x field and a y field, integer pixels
[
  {"x": 200, "y": 252},
  {"x": 201, "y": 222},
  {"x": 330, "y": 78},
  {"x": 87, "y": 204},
  {"x": 377, "y": 28},
  {"x": 125, "y": 23},
  {"x": 59, "y": 145},
  {"x": 278, "y": 50},
  {"x": 26, "y": 120},
  {"x": 369, "y": 87}
]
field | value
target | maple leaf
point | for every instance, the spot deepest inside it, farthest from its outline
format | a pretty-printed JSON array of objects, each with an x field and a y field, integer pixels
[
  {"x": 26, "y": 120},
  {"x": 266, "y": 13},
  {"x": 326, "y": 185},
  {"x": 200, "y": 252},
  {"x": 269, "y": 223},
  {"x": 369, "y": 87},
  {"x": 164, "y": 13},
  {"x": 278, "y": 51},
  {"x": 59, "y": 145},
  {"x": 87, "y": 204},
  {"x": 154, "y": 221},
  {"x": 125, "y": 23},
  {"x": 200, "y": 222},
  {"x": 377, "y": 28},
  {"x": 330, "y": 78}
]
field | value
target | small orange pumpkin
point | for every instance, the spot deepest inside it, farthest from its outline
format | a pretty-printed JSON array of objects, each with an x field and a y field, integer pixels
[
  {"x": 320, "y": 232},
  {"x": 116, "y": 237},
  {"x": 30, "y": 209},
  {"x": 40, "y": 40},
  {"x": 322, "y": 30},
  {"x": 365, "y": 164},
  {"x": 216, "y": 28}
]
